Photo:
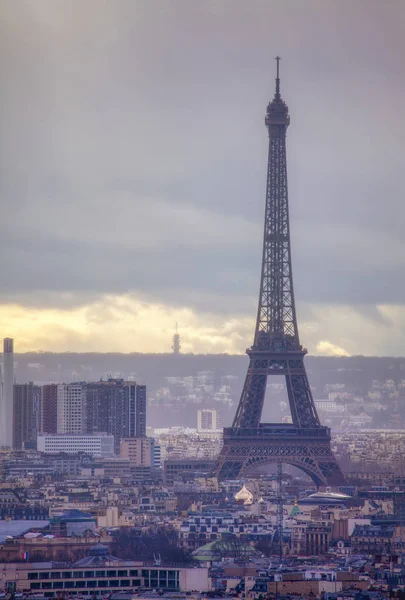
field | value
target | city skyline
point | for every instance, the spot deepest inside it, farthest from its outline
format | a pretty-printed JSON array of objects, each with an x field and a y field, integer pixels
[{"x": 144, "y": 205}]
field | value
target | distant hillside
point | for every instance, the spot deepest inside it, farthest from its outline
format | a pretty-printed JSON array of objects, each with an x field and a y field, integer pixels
[{"x": 356, "y": 371}]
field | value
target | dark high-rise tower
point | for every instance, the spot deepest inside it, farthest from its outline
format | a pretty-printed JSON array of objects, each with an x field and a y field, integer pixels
[
  {"x": 276, "y": 347},
  {"x": 26, "y": 413},
  {"x": 118, "y": 407},
  {"x": 49, "y": 408}
]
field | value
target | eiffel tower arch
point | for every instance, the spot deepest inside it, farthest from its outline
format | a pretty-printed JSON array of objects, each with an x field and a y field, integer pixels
[{"x": 276, "y": 348}]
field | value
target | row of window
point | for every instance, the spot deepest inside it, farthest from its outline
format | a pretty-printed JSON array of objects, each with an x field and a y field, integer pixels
[
  {"x": 104, "y": 583},
  {"x": 80, "y": 574},
  {"x": 145, "y": 573}
]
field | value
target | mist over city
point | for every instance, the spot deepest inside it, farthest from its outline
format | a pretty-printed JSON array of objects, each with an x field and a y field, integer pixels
[{"x": 202, "y": 301}]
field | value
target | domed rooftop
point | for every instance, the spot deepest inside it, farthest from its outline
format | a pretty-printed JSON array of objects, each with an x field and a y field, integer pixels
[
  {"x": 331, "y": 495},
  {"x": 208, "y": 552},
  {"x": 97, "y": 555},
  {"x": 244, "y": 494},
  {"x": 99, "y": 550},
  {"x": 295, "y": 509},
  {"x": 325, "y": 498}
]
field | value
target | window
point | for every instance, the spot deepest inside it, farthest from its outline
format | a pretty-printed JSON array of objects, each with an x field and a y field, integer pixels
[
  {"x": 35, "y": 586},
  {"x": 122, "y": 573},
  {"x": 32, "y": 575},
  {"x": 133, "y": 572},
  {"x": 44, "y": 575},
  {"x": 88, "y": 574},
  {"x": 55, "y": 575},
  {"x": 111, "y": 573},
  {"x": 92, "y": 584},
  {"x": 114, "y": 583}
]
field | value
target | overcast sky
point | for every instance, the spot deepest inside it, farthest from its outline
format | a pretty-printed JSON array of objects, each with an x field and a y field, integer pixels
[{"x": 133, "y": 165}]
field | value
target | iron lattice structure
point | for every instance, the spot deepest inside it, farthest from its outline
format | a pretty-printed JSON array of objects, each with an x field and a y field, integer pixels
[{"x": 276, "y": 348}]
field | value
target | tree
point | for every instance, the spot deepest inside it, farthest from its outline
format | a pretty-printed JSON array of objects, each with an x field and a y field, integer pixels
[
  {"x": 129, "y": 544},
  {"x": 267, "y": 545}
]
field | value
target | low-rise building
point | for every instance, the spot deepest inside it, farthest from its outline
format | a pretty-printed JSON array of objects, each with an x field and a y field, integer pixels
[
  {"x": 201, "y": 528},
  {"x": 73, "y": 522},
  {"x": 372, "y": 539},
  {"x": 139, "y": 450},
  {"x": 311, "y": 538},
  {"x": 96, "y": 444},
  {"x": 183, "y": 468},
  {"x": 99, "y": 572}
]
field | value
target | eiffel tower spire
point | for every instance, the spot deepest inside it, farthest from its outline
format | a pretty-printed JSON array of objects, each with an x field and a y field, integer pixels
[{"x": 276, "y": 348}]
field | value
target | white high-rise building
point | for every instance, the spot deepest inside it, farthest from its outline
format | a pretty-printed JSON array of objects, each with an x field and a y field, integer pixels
[
  {"x": 209, "y": 421},
  {"x": 6, "y": 397},
  {"x": 71, "y": 408}
]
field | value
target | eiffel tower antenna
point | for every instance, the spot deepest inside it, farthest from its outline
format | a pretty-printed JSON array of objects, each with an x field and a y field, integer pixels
[
  {"x": 278, "y": 77},
  {"x": 276, "y": 348}
]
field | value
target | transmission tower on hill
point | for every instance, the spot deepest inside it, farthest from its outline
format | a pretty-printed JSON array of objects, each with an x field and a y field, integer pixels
[{"x": 176, "y": 347}]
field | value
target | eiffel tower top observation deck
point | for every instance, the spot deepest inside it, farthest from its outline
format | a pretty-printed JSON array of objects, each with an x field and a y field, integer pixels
[{"x": 277, "y": 109}]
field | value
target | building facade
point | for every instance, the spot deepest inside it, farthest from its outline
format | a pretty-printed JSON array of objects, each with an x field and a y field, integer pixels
[
  {"x": 117, "y": 407},
  {"x": 71, "y": 408},
  {"x": 99, "y": 445},
  {"x": 139, "y": 450},
  {"x": 372, "y": 539},
  {"x": 209, "y": 420},
  {"x": 108, "y": 577},
  {"x": 311, "y": 538},
  {"x": 49, "y": 409},
  {"x": 183, "y": 469}
]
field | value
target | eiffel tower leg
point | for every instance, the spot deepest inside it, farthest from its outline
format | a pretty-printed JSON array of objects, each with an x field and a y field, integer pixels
[{"x": 251, "y": 402}]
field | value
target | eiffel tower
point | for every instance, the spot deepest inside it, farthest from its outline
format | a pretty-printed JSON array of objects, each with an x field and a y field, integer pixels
[{"x": 276, "y": 349}]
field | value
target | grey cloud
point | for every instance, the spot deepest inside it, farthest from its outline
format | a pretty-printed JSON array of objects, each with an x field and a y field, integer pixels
[{"x": 162, "y": 103}]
